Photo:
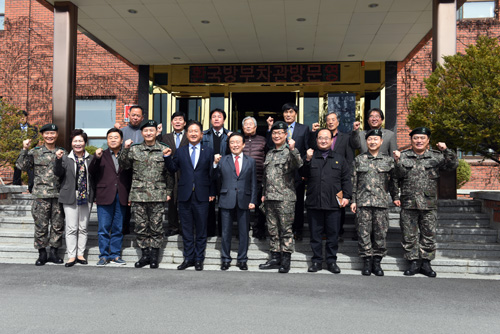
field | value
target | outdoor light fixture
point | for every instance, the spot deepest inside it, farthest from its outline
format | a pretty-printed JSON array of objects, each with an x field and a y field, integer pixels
[
  {"x": 373, "y": 5},
  {"x": 205, "y": 21},
  {"x": 132, "y": 11}
]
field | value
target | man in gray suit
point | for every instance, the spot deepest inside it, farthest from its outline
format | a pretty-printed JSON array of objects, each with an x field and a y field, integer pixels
[
  {"x": 174, "y": 140},
  {"x": 238, "y": 195},
  {"x": 375, "y": 119}
]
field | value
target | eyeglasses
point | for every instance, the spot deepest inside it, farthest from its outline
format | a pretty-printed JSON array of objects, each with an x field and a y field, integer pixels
[
  {"x": 374, "y": 117},
  {"x": 324, "y": 138}
]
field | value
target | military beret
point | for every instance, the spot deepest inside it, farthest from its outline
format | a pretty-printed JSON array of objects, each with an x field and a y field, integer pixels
[
  {"x": 280, "y": 126},
  {"x": 149, "y": 124},
  {"x": 373, "y": 132},
  {"x": 421, "y": 131},
  {"x": 49, "y": 127}
]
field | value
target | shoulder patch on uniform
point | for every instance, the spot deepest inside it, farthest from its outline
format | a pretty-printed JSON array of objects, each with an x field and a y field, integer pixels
[
  {"x": 135, "y": 144},
  {"x": 162, "y": 143},
  {"x": 37, "y": 148}
]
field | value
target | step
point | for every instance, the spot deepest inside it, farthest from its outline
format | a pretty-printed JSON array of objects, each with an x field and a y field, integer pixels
[{"x": 171, "y": 258}]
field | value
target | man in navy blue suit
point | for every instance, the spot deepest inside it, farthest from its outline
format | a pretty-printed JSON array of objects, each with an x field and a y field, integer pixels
[
  {"x": 195, "y": 190},
  {"x": 238, "y": 195},
  {"x": 300, "y": 134}
]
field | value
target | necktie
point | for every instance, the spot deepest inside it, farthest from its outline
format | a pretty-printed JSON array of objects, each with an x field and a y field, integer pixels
[
  {"x": 289, "y": 136},
  {"x": 237, "y": 165},
  {"x": 193, "y": 156},
  {"x": 177, "y": 140}
]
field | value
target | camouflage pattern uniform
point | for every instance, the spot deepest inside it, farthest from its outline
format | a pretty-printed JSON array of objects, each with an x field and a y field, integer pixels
[
  {"x": 151, "y": 184},
  {"x": 45, "y": 205},
  {"x": 372, "y": 177},
  {"x": 418, "y": 176},
  {"x": 279, "y": 191}
]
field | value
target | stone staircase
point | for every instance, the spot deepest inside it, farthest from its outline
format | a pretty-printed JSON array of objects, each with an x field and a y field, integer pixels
[{"x": 466, "y": 243}]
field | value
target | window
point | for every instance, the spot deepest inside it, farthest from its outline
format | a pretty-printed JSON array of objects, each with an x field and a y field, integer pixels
[
  {"x": 2, "y": 13},
  {"x": 311, "y": 108},
  {"x": 476, "y": 10},
  {"x": 95, "y": 116}
]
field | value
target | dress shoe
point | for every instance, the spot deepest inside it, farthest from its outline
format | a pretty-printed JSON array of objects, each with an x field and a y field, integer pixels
[
  {"x": 53, "y": 257},
  {"x": 81, "y": 261},
  {"x": 426, "y": 269},
  {"x": 414, "y": 268},
  {"x": 225, "y": 265},
  {"x": 333, "y": 268},
  {"x": 70, "y": 264},
  {"x": 145, "y": 258},
  {"x": 186, "y": 264},
  {"x": 273, "y": 263},
  {"x": 42, "y": 257},
  {"x": 242, "y": 265},
  {"x": 171, "y": 233},
  {"x": 315, "y": 267},
  {"x": 367, "y": 266},
  {"x": 198, "y": 265},
  {"x": 298, "y": 237},
  {"x": 377, "y": 268},
  {"x": 286, "y": 259},
  {"x": 153, "y": 263}
]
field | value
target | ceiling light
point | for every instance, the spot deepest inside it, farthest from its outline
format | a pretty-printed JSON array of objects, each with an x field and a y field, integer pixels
[
  {"x": 351, "y": 55},
  {"x": 373, "y": 5},
  {"x": 300, "y": 49},
  {"x": 221, "y": 50},
  {"x": 132, "y": 11},
  {"x": 177, "y": 58},
  {"x": 205, "y": 21},
  {"x": 301, "y": 19}
]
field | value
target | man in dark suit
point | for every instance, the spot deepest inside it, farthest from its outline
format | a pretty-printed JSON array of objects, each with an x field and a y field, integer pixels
[
  {"x": 194, "y": 191},
  {"x": 300, "y": 134},
  {"x": 216, "y": 139},
  {"x": 340, "y": 144},
  {"x": 112, "y": 189},
  {"x": 238, "y": 195},
  {"x": 174, "y": 140}
]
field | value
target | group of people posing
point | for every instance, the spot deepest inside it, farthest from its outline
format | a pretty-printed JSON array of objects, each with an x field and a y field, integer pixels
[{"x": 194, "y": 170}]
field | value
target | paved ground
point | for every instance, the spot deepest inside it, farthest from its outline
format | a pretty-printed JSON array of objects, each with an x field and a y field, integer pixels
[{"x": 54, "y": 299}]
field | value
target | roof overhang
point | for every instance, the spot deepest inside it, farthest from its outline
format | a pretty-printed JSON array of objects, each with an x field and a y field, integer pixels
[{"x": 163, "y": 32}]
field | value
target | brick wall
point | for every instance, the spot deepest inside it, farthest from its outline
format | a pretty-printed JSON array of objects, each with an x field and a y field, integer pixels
[
  {"x": 99, "y": 73},
  {"x": 418, "y": 66}
]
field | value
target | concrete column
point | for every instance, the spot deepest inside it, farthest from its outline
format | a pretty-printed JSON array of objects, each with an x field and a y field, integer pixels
[
  {"x": 444, "y": 43},
  {"x": 64, "y": 64},
  {"x": 444, "y": 28}
]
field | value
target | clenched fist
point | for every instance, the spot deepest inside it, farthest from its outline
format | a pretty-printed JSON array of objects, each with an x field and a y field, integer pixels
[
  {"x": 217, "y": 158},
  {"x": 59, "y": 154},
  {"x": 355, "y": 126},
  {"x": 98, "y": 153},
  {"x": 396, "y": 154},
  {"x": 310, "y": 153},
  {"x": 441, "y": 146},
  {"x": 167, "y": 151},
  {"x": 291, "y": 144},
  {"x": 26, "y": 144},
  {"x": 270, "y": 122},
  {"x": 128, "y": 143},
  {"x": 315, "y": 127}
]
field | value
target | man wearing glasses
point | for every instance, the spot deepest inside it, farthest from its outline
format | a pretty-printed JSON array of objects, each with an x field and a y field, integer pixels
[{"x": 375, "y": 120}]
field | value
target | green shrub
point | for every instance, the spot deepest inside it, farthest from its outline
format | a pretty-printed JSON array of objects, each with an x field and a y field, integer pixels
[
  {"x": 91, "y": 149},
  {"x": 463, "y": 173}
]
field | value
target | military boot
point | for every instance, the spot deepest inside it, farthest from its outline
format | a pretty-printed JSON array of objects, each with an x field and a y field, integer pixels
[
  {"x": 414, "y": 268},
  {"x": 273, "y": 263},
  {"x": 144, "y": 260},
  {"x": 367, "y": 266},
  {"x": 53, "y": 257},
  {"x": 426, "y": 269},
  {"x": 154, "y": 258},
  {"x": 285, "y": 262},
  {"x": 42, "y": 257},
  {"x": 377, "y": 269}
]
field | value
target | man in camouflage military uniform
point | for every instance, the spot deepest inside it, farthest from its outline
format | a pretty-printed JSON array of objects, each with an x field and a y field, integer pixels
[
  {"x": 372, "y": 176},
  {"x": 418, "y": 172},
  {"x": 278, "y": 196},
  {"x": 151, "y": 187},
  {"x": 45, "y": 205}
]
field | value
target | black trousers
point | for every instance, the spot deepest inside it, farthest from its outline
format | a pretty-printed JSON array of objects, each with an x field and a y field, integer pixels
[{"x": 327, "y": 221}]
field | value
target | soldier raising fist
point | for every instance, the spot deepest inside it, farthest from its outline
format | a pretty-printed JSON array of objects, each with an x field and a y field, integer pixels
[{"x": 59, "y": 154}]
